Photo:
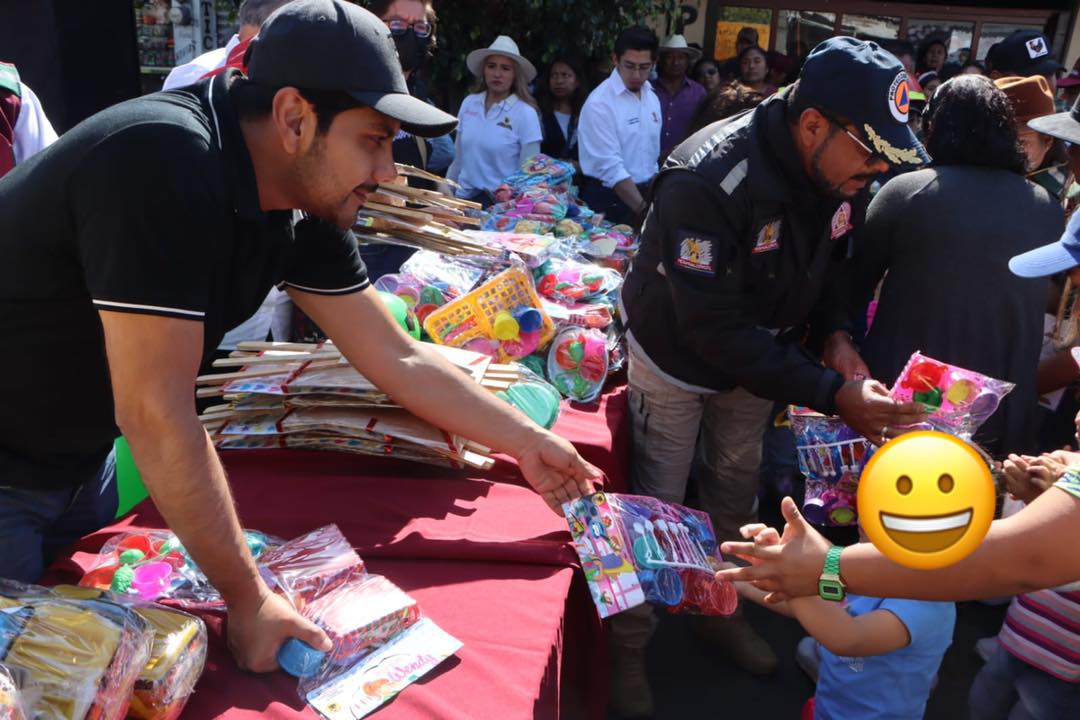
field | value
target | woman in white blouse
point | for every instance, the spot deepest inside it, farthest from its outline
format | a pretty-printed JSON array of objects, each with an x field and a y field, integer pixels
[{"x": 499, "y": 124}]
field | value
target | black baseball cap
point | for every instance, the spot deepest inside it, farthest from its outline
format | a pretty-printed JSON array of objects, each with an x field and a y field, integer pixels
[
  {"x": 1026, "y": 53},
  {"x": 861, "y": 82},
  {"x": 335, "y": 45}
]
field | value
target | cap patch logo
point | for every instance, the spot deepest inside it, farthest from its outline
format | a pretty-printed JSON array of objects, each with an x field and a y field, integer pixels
[
  {"x": 900, "y": 98},
  {"x": 1036, "y": 48}
]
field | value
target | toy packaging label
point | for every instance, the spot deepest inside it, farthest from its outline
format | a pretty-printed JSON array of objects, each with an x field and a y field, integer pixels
[
  {"x": 636, "y": 549},
  {"x": 384, "y": 673}
]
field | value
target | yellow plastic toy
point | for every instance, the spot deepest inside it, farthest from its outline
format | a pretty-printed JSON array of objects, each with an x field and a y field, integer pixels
[{"x": 482, "y": 320}]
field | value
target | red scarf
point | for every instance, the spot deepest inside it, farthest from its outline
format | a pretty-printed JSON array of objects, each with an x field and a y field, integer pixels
[{"x": 235, "y": 59}]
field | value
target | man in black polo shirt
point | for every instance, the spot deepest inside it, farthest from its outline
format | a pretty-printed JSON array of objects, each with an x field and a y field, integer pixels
[
  {"x": 747, "y": 218},
  {"x": 134, "y": 242}
]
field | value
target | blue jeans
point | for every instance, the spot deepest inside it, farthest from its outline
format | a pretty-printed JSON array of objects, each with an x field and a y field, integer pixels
[
  {"x": 1007, "y": 688},
  {"x": 36, "y": 524}
]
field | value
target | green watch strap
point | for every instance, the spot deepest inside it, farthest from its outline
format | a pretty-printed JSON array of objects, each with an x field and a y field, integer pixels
[
  {"x": 832, "y": 560},
  {"x": 830, "y": 586}
]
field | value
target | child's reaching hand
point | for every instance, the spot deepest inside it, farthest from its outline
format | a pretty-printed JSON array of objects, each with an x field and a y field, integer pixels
[
  {"x": 1028, "y": 477},
  {"x": 760, "y": 533}
]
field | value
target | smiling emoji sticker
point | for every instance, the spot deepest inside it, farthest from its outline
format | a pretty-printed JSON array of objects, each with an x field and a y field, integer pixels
[{"x": 926, "y": 500}]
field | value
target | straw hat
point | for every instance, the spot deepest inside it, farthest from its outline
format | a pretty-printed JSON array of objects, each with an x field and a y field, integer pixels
[
  {"x": 503, "y": 45},
  {"x": 677, "y": 43}
]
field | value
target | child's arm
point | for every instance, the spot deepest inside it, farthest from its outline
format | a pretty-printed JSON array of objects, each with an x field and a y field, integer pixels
[
  {"x": 749, "y": 592},
  {"x": 875, "y": 633}
]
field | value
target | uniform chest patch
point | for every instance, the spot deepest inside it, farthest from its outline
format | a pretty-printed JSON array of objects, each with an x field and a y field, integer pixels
[
  {"x": 505, "y": 123},
  {"x": 768, "y": 237},
  {"x": 697, "y": 255}
]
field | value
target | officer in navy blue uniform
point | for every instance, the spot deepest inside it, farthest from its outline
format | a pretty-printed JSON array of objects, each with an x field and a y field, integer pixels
[{"x": 750, "y": 218}]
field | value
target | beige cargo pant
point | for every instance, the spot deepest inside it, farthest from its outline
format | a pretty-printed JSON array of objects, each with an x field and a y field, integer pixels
[{"x": 717, "y": 436}]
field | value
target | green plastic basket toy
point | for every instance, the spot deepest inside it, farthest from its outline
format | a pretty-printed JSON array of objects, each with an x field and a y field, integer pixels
[{"x": 479, "y": 320}]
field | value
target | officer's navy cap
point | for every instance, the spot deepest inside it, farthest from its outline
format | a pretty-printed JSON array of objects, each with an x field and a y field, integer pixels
[
  {"x": 859, "y": 81},
  {"x": 335, "y": 45},
  {"x": 1053, "y": 258}
]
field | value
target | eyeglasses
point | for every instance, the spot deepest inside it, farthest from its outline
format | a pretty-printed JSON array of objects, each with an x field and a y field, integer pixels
[
  {"x": 422, "y": 28},
  {"x": 872, "y": 156},
  {"x": 641, "y": 69},
  {"x": 709, "y": 71}
]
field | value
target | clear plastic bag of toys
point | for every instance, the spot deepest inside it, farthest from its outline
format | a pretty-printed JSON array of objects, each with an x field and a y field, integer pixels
[
  {"x": 359, "y": 616},
  {"x": 17, "y": 694},
  {"x": 570, "y": 281},
  {"x": 428, "y": 280},
  {"x": 177, "y": 656},
  {"x": 958, "y": 401},
  {"x": 176, "y": 663},
  {"x": 311, "y": 566},
  {"x": 636, "y": 549},
  {"x": 831, "y": 457},
  {"x": 83, "y": 656},
  {"x": 534, "y": 396},
  {"x": 578, "y": 363},
  {"x": 148, "y": 565}
]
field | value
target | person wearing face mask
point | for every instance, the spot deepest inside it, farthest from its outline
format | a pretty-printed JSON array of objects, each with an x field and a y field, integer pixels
[
  {"x": 412, "y": 27},
  {"x": 120, "y": 286}
]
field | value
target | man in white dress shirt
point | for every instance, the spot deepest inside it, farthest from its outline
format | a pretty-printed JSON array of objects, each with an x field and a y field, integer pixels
[
  {"x": 252, "y": 15},
  {"x": 619, "y": 130}
]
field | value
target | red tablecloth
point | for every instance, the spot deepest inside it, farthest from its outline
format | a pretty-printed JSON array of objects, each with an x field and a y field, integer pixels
[{"x": 481, "y": 553}]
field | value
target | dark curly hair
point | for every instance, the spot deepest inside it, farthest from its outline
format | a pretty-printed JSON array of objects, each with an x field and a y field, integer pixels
[
  {"x": 725, "y": 101},
  {"x": 969, "y": 121}
]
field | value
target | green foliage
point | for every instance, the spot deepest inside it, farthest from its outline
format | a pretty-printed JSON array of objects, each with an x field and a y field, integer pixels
[{"x": 543, "y": 29}]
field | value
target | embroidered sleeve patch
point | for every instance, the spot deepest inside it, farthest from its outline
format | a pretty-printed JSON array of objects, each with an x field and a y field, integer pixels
[
  {"x": 696, "y": 254},
  {"x": 768, "y": 237},
  {"x": 841, "y": 221}
]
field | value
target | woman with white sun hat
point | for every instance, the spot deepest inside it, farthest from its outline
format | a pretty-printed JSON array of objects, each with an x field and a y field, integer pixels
[{"x": 499, "y": 124}]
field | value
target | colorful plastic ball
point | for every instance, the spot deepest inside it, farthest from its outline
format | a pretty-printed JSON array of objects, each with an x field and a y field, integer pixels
[
  {"x": 529, "y": 319},
  {"x": 505, "y": 326}
]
